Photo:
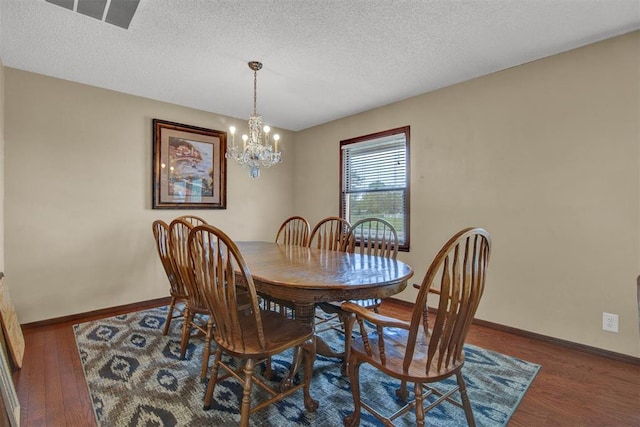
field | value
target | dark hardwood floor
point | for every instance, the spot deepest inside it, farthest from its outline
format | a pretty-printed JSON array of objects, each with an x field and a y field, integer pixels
[{"x": 573, "y": 388}]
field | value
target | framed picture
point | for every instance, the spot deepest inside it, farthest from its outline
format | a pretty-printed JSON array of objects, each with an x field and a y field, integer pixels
[
  {"x": 10, "y": 326},
  {"x": 189, "y": 167},
  {"x": 8, "y": 392}
]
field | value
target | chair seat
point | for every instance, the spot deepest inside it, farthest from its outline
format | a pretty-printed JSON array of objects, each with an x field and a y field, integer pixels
[
  {"x": 198, "y": 310},
  {"x": 395, "y": 345},
  {"x": 280, "y": 333}
]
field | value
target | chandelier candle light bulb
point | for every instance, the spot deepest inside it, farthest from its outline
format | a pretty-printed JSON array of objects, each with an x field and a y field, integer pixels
[
  {"x": 256, "y": 148},
  {"x": 232, "y": 130}
]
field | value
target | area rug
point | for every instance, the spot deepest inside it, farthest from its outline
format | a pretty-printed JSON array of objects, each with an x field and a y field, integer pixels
[{"x": 136, "y": 378}]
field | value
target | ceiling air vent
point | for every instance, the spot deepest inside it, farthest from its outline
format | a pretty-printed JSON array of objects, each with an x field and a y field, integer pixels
[{"x": 116, "y": 12}]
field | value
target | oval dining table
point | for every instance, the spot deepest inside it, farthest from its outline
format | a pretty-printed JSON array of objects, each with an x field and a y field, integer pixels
[{"x": 308, "y": 276}]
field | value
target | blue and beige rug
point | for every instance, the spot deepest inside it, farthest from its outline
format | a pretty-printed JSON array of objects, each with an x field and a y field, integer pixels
[{"x": 136, "y": 378}]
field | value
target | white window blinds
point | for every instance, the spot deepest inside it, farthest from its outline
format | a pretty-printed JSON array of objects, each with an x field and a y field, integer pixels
[{"x": 375, "y": 181}]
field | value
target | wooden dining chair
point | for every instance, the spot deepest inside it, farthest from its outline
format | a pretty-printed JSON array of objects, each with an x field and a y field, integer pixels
[
  {"x": 294, "y": 231},
  {"x": 177, "y": 289},
  {"x": 247, "y": 333},
  {"x": 372, "y": 236},
  {"x": 420, "y": 351},
  {"x": 196, "y": 315},
  {"x": 368, "y": 236},
  {"x": 329, "y": 233}
]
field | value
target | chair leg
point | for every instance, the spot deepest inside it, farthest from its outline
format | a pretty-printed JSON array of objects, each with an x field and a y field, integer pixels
[
  {"x": 213, "y": 379},
  {"x": 206, "y": 352},
  {"x": 186, "y": 331},
  {"x": 268, "y": 372},
  {"x": 402, "y": 392},
  {"x": 167, "y": 323},
  {"x": 309, "y": 351},
  {"x": 353, "y": 420},
  {"x": 245, "y": 410},
  {"x": 419, "y": 404},
  {"x": 348, "y": 319},
  {"x": 466, "y": 403},
  {"x": 287, "y": 382}
]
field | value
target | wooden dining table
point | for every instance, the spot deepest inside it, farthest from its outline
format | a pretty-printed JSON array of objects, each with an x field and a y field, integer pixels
[{"x": 307, "y": 276}]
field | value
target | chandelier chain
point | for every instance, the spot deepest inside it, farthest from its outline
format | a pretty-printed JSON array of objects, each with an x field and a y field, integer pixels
[{"x": 255, "y": 92}]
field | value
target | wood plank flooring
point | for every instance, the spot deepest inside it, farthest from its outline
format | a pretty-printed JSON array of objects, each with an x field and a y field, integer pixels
[{"x": 572, "y": 388}]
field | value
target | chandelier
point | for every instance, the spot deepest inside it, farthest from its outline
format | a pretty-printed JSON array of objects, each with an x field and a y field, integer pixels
[{"x": 256, "y": 149}]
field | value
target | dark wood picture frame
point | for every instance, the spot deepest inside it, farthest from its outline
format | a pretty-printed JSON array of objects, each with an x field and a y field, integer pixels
[{"x": 189, "y": 167}]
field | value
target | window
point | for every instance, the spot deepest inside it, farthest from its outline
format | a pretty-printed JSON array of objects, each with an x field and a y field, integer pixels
[{"x": 374, "y": 179}]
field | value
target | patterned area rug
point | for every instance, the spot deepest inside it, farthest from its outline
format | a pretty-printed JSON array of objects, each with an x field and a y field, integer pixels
[{"x": 135, "y": 378}]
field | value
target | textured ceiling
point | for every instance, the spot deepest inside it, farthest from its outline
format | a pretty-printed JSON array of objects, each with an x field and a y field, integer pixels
[{"x": 323, "y": 60}]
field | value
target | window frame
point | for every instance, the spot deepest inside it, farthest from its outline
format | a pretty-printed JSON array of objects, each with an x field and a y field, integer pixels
[{"x": 404, "y": 247}]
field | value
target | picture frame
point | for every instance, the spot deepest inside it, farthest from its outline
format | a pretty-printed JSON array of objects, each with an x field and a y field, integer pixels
[
  {"x": 10, "y": 325},
  {"x": 8, "y": 390},
  {"x": 189, "y": 167}
]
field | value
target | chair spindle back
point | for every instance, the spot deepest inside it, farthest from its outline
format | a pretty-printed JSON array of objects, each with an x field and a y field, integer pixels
[
  {"x": 457, "y": 275},
  {"x": 161, "y": 234},
  {"x": 217, "y": 260},
  {"x": 373, "y": 236},
  {"x": 330, "y": 233},
  {"x": 178, "y": 238},
  {"x": 193, "y": 220},
  {"x": 294, "y": 231}
]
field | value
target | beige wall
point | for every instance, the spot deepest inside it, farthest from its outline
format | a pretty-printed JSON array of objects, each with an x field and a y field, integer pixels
[
  {"x": 1, "y": 166},
  {"x": 545, "y": 157},
  {"x": 78, "y": 195}
]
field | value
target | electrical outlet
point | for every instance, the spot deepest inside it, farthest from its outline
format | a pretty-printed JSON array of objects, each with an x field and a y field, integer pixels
[{"x": 609, "y": 322}]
